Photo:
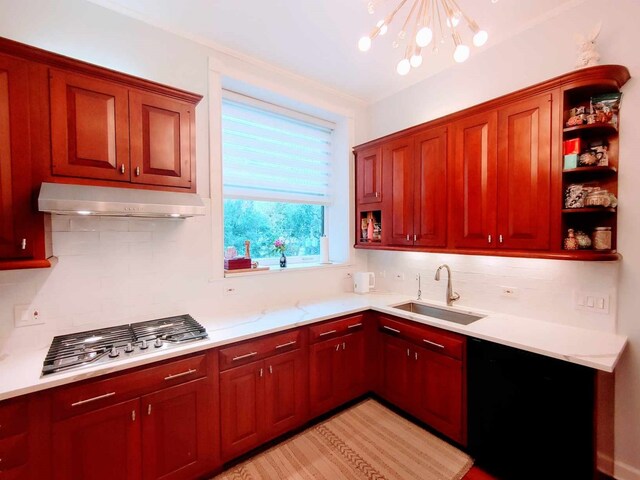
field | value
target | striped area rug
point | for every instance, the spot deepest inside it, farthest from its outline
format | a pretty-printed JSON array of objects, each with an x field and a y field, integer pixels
[{"x": 367, "y": 441}]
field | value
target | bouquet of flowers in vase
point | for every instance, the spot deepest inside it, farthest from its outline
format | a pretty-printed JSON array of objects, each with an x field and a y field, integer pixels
[{"x": 281, "y": 246}]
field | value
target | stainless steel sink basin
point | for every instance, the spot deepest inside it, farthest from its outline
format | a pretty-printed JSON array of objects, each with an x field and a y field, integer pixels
[{"x": 440, "y": 313}]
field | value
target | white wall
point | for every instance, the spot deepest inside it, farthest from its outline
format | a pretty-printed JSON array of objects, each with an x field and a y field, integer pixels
[
  {"x": 113, "y": 271},
  {"x": 544, "y": 51}
]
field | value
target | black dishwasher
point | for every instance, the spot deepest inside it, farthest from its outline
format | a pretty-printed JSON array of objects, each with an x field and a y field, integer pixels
[{"x": 530, "y": 416}]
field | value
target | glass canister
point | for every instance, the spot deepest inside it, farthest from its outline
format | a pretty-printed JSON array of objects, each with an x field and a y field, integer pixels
[{"x": 602, "y": 238}]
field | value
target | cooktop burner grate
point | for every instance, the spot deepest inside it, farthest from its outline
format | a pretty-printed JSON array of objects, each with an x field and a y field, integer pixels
[{"x": 105, "y": 344}]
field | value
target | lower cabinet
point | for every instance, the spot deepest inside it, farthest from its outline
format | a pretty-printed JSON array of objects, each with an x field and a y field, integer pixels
[
  {"x": 261, "y": 400},
  {"x": 336, "y": 372},
  {"x": 426, "y": 381},
  {"x": 163, "y": 432}
]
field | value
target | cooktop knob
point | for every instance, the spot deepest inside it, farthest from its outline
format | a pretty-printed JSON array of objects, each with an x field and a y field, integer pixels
[
  {"x": 143, "y": 345},
  {"x": 114, "y": 352},
  {"x": 128, "y": 348},
  {"x": 157, "y": 343}
]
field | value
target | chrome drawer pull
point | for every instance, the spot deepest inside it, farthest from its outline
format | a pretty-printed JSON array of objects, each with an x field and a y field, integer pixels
[
  {"x": 288, "y": 344},
  {"x": 432, "y": 343},
  {"x": 355, "y": 325},
  {"x": 188, "y": 372},
  {"x": 327, "y": 333},
  {"x": 391, "y": 329},
  {"x": 100, "y": 397},
  {"x": 244, "y": 356}
]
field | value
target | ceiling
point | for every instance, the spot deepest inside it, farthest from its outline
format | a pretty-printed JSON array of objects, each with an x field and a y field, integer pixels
[{"x": 318, "y": 38}]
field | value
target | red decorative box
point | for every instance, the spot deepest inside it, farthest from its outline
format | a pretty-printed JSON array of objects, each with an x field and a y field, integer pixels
[
  {"x": 571, "y": 146},
  {"x": 237, "y": 263}
]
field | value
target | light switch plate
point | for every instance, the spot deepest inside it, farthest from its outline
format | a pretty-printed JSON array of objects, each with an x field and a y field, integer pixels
[{"x": 595, "y": 302}]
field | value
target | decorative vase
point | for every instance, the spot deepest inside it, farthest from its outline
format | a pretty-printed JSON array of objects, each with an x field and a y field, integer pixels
[
  {"x": 571, "y": 242},
  {"x": 283, "y": 260}
]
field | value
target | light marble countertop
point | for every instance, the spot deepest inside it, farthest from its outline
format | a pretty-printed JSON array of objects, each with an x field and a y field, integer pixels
[{"x": 20, "y": 373}]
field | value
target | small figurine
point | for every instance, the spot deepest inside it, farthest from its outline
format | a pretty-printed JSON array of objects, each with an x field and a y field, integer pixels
[
  {"x": 588, "y": 56},
  {"x": 247, "y": 253},
  {"x": 571, "y": 242}
]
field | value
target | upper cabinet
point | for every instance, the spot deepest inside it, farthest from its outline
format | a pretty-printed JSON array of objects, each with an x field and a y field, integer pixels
[
  {"x": 63, "y": 120},
  {"x": 369, "y": 176},
  {"x": 489, "y": 180},
  {"x": 89, "y": 127},
  {"x": 21, "y": 226},
  {"x": 103, "y": 130}
]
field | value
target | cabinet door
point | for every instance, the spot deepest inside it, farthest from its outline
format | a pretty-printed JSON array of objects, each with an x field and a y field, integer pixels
[
  {"x": 324, "y": 374},
  {"x": 89, "y": 127},
  {"x": 398, "y": 186},
  {"x": 430, "y": 180},
  {"x": 98, "y": 445},
  {"x": 16, "y": 213},
  {"x": 395, "y": 370},
  {"x": 285, "y": 393},
  {"x": 242, "y": 408},
  {"x": 439, "y": 388},
  {"x": 369, "y": 176},
  {"x": 178, "y": 431},
  {"x": 473, "y": 193},
  {"x": 161, "y": 134},
  {"x": 524, "y": 174},
  {"x": 352, "y": 370}
]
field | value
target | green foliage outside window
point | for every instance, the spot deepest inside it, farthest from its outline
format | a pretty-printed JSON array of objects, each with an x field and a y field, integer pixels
[{"x": 264, "y": 222}]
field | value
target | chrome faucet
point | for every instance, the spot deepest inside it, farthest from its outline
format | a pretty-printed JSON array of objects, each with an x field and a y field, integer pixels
[
  {"x": 451, "y": 295},
  {"x": 419, "y": 289}
]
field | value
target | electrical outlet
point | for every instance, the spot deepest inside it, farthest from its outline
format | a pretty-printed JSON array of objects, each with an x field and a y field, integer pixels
[
  {"x": 511, "y": 292},
  {"x": 399, "y": 276},
  {"x": 595, "y": 302},
  {"x": 26, "y": 315}
]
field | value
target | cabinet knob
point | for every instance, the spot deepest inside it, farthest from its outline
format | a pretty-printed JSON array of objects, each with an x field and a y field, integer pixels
[
  {"x": 407, "y": 237},
  {"x": 415, "y": 237},
  {"x": 489, "y": 238},
  {"x": 122, "y": 168},
  {"x": 137, "y": 171},
  {"x": 500, "y": 238},
  {"x": 377, "y": 194},
  {"x": 23, "y": 244}
]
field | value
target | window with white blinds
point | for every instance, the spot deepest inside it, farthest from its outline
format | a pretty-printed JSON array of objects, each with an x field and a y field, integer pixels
[{"x": 274, "y": 154}]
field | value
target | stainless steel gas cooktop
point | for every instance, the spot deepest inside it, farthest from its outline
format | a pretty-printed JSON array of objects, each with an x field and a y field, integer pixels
[{"x": 113, "y": 343}]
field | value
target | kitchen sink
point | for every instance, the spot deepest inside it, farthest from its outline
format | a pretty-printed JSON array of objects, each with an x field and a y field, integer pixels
[{"x": 440, "y": 313}]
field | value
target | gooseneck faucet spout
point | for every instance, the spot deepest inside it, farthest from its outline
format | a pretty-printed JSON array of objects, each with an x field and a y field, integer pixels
[{"x": 451, "y": 295}]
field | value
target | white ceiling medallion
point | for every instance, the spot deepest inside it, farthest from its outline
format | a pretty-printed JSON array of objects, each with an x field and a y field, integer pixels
[{"x": 431, "y": 22}]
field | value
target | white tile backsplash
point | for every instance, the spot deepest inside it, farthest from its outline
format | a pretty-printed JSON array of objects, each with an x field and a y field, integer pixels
[{"x": 545, "y": 287}]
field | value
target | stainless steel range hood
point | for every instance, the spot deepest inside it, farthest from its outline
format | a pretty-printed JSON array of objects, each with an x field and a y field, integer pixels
[{"x": 69, "y": 199}]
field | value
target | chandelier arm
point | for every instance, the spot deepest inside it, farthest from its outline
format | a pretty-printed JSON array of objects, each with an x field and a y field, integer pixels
[
  {"x": 406, "y": 22},
  {"x": 437, "y": 2}
]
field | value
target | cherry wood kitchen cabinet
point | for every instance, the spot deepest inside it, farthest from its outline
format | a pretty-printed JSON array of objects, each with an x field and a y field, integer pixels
[
  {"x": 104, "y": 130},
  {"x": 336, "y": 363},
  {"x": 423, "y": 373},
  {"x": 24, "y": 438},
  {"x": 21, "y": 227},
  {"x": 262, "y": 399},
  {"x": 81, "y": 451},
  {"x": 503, "y": 193},
  {"x": 414, "y": 175},
  {"x": 89, "y": 127},
  {"x": 369, "y": 176},
  {"x": 156, "y": 422},
  {"x": 161, "y": 140}
]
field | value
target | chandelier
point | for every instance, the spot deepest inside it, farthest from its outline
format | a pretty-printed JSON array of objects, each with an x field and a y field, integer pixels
[{"x": 431, "y": 22}]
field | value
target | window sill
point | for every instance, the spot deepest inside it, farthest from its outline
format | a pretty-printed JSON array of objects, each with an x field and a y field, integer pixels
[{"x": 293, "y": 267}]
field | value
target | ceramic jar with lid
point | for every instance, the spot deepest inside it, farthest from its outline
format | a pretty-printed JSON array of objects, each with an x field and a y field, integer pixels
[{"x": 602, "y": 238}]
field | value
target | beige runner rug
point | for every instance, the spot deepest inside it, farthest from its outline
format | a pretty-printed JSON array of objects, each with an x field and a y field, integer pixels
[{"x": 367, "y": 441}]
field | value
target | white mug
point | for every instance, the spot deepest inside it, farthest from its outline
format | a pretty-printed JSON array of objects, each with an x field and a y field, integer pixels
[{"x": 363, "y": 282}]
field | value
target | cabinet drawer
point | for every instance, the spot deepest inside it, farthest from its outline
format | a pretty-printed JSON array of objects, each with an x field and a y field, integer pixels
[
  {"x": 13, "y": 452},
  {"x": 431, "y": 338},
  {"x": 251, "y": 350},
  {"x": 13, "y": 417},
  {"x": 76, "y": 399},
  {"x": 335, "y": 328}
]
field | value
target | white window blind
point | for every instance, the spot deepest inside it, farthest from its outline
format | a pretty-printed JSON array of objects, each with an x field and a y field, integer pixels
[{"x": 271, "y": 153}]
